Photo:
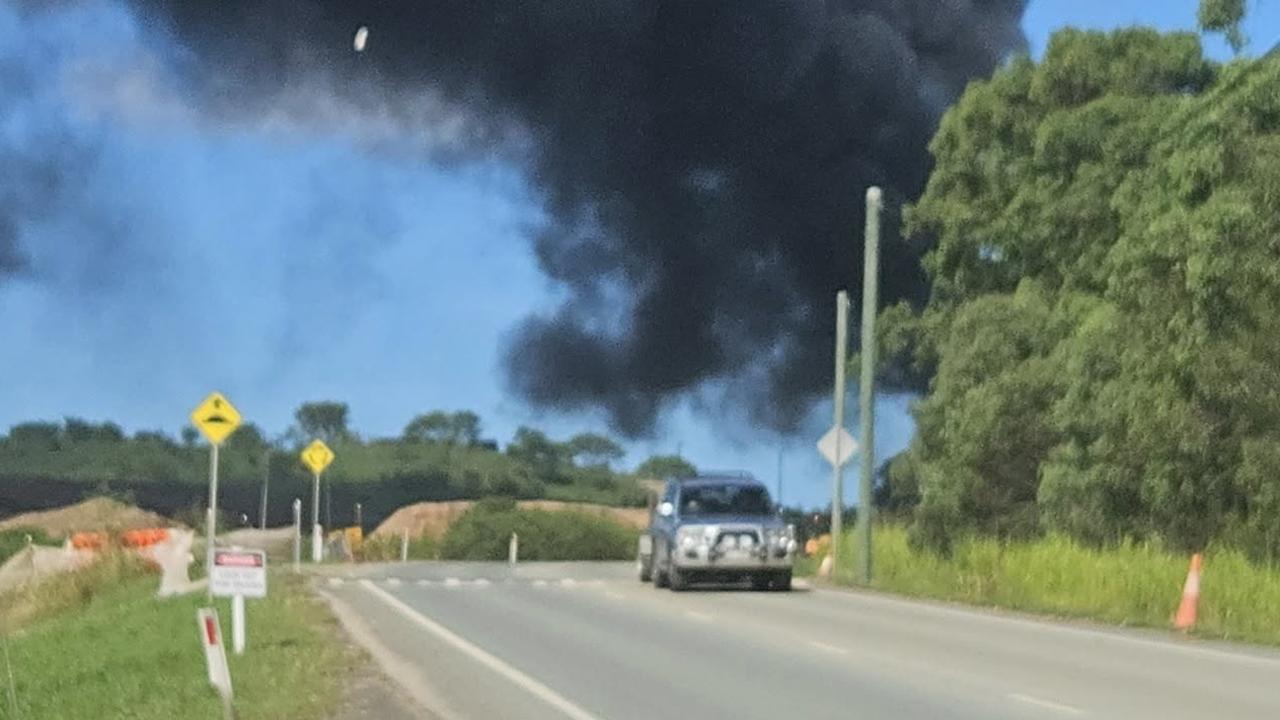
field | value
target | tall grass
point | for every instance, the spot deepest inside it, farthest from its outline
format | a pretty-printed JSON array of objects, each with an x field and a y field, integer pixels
[
  {"x": 1130, "y": 584},
  {"x": 98, "y": 644}
]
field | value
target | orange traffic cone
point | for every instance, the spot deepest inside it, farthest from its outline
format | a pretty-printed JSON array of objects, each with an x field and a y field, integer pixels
[{"x": 1186, "y": 617}]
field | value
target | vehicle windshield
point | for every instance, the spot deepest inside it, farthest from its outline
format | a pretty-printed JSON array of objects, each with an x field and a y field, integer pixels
[{"x": 725, "y": 500}]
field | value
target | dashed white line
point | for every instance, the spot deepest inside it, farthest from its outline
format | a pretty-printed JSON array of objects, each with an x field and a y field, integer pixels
[
  {"x": 393, "y": 582},
  {"x": 700, "y": 616},
  {"x": 614, "y": 595},
  {"x": 1046, "y": 704},
  {"x": 833, "y": 649},
  {"x": 539, "y": 583},
  {"x": 568, "y": 582},
  {"x": 452, "y": 582},
  {"x": 335, "y": 582},
  {"x": 424, "y": 583},
  {"x": 532, "y": 686},
  {"x": 481, "y": 582}
]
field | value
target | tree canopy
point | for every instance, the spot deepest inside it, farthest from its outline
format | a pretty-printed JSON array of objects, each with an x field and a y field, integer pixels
[
  {"x": 1101, "y": 344},
  {"x": 666, "y": 466}
]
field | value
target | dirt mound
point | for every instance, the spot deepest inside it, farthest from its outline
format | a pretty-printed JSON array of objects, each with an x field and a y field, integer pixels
[
  {"x": 94, "y": 514},
  {"x": 432, "y": 519}
]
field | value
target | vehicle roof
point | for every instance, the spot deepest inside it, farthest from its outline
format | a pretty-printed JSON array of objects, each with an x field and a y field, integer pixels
[{"x": 719, "y": 480}]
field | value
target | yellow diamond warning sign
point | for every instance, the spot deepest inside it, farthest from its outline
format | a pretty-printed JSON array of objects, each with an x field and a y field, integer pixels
[
  {"x": 216, "y": 417},
  {"x": 317, "y": 456}
]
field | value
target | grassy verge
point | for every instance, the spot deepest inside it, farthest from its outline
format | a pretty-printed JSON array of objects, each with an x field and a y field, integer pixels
[
  {"x": 1132, "y": 584},
  {"x": 97, "y": 644}
]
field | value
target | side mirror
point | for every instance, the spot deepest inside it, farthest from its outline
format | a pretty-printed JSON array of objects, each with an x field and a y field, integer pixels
[{"x": 666, "y": 509}]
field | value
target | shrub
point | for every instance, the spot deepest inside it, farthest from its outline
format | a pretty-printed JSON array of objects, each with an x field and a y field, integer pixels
[{"x": 484, "y": 531}]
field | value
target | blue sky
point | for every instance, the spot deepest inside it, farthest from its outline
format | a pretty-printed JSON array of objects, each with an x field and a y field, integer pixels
[{"x": 280, "y": 262}]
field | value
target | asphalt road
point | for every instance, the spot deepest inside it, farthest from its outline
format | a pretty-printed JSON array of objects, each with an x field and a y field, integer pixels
[{"x": 589, "y": 641}]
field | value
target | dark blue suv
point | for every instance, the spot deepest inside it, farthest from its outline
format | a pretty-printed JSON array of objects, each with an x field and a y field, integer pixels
[{"x": 717, "y": 529}]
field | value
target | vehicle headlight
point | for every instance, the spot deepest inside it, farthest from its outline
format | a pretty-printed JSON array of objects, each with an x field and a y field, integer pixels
[
  {"x": 780, "y": 536},
  {"x": 690, "y": 537}
]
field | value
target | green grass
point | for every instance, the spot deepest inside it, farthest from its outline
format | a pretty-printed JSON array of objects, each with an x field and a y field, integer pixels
[
  {"x": 1130, "y": 584},
  {"x": 386, "y": 548},
  {"x": 108, "y": 649},
  {"x": 11, "y": 541}
]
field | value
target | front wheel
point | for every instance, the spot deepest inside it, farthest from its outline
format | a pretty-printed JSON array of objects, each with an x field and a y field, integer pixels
[
  {"x": 656, "y": 571},
  {"x": 645, "y": 567}
]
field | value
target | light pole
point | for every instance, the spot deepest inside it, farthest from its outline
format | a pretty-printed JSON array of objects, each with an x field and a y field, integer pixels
[{"x": 867, "y": 384}]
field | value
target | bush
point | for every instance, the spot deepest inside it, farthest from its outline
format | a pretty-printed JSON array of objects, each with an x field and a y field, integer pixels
[{"x": 484, "y": 531}]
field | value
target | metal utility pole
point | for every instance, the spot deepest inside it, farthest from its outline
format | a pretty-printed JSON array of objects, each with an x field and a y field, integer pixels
[
  {"x": 837, "y": 472},
  {"x": 266, "y": 479},
  {"x": 867, "y": 385}
]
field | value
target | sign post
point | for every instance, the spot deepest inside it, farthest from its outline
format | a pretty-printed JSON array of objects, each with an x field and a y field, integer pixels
[
  {"x": 238, "y": 574},
  {"x": 216, "y": 418},
  {"x": 215, "y": 657},
  {"x": 837, "y": 468},
  {"x": 316, "y": 457},
  {"x": 297, "y": 534}
]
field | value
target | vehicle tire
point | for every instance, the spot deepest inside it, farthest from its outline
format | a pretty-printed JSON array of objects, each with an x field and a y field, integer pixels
[
  {"x": 658, "y": 574},
  {"x": 676, "y": 580},
  {"x": 782, "y": 581},
  {"x": 646, "y": 568},
  {"x": 761, "y": 581}
]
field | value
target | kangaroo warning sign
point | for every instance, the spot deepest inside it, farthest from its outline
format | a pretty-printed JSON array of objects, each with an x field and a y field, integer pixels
[{"x": 239, "y": 572}]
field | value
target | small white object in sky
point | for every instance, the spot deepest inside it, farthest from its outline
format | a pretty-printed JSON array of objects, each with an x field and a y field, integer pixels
[{"x": 362, "y": 37}]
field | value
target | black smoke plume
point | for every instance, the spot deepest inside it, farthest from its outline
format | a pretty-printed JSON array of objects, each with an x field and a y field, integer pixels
[{"x": 702, "y": 163}]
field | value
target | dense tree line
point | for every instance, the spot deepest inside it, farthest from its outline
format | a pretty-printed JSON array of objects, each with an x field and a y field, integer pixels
[
  {"x": 1100, "y": 353},
  {"x": 439, "y": 456}
]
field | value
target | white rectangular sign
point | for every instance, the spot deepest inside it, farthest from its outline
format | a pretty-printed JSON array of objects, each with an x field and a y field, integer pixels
[
  {"x": 239, "y": 572},
  {"x": 215, "y": 655}
]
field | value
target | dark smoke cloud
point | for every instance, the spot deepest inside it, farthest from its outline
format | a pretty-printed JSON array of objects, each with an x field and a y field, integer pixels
[
  {"x": 702, "y": 163},
  {"x": 36, "y": 164}
]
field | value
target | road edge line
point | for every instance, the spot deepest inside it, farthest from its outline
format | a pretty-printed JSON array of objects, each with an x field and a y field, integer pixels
[
  {"x": 530, "y": 685},
  {"x": 389, "y": 662}
]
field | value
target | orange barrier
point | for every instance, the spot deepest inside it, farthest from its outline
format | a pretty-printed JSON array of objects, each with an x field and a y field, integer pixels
[
  {"x": 144, "y": 538},
  {"x": 89, "y": 540},
  {"x": 1186, "y": 617}
]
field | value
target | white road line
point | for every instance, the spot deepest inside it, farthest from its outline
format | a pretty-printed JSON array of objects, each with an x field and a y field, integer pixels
[
  {"x": 539, "y": 583},
  {"x": 835, "y": 650},
  {"x": 424, "y": 583},
  {"x": 1047, "y": 704},
  {"x": 532, "y": 686},
  {"x": 614, "y": 595},
  {"x": 393, "y": 582},
  {"x": 482, "y": 582},
  {"x": 701, "y": 616},
  {"x": 452, "y": 582},
  {"x": 595, "y": 583},
  {"x": 335, "y": 582},
  {"x": 568, "y": 582}
]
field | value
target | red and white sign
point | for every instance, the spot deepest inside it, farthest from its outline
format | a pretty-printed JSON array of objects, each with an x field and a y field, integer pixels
[
  {"x": 239, "y": 572},
  {"x": 215, "y": 654}
]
